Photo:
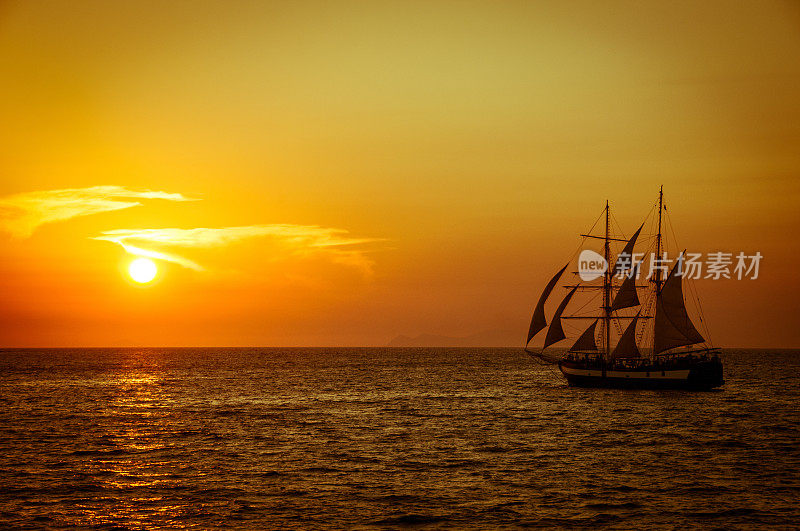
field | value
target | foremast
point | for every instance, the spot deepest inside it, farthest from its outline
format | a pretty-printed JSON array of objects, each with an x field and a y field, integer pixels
[{"x": 607, "y": 288}]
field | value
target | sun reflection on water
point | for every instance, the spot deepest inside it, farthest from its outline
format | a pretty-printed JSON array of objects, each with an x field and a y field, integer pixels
[{"x": 137, "y": 424}]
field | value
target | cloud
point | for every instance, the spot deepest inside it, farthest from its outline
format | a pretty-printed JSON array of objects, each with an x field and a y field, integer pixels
[
  {"x": 21, "y": 214},
  {"x": 303, "y": 240}
]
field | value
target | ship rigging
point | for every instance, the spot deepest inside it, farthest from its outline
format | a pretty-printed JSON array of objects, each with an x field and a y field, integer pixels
[{"x": 657, "y": 344}]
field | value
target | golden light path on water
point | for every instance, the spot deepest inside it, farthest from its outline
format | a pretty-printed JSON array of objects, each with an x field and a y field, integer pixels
[{"x": 136, "y": 424}]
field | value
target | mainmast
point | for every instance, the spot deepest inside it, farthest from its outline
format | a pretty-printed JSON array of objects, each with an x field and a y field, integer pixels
[
  {"x": 657, "y": 281},
  {"x": 607, "y": 287},
  {"x": 657, "y": 277}
]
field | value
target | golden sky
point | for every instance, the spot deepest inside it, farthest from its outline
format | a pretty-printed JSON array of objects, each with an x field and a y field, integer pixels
[{"x": 342, "y": 173}]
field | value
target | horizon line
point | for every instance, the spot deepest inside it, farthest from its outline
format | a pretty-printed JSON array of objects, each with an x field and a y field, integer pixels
[{"x": 2, "y": 349}]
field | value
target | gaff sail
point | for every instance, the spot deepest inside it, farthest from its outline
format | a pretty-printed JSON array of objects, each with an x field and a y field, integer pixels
[{"x": 673, "y": 328}]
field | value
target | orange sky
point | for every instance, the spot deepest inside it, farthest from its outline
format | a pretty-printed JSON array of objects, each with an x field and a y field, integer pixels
[{"x": 373, "y": 169}]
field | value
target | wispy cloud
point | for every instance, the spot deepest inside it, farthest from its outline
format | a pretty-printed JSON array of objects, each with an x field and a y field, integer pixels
[
  {"x": 336, "y": 244},
  {"x": 21, "y": 214}
]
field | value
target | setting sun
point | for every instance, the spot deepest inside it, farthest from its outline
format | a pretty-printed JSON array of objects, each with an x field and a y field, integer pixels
[{"x": 142, "y": 270}]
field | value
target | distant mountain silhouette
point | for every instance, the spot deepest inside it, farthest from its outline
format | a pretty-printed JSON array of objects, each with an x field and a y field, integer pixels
[{"x": 489, "y": 338}]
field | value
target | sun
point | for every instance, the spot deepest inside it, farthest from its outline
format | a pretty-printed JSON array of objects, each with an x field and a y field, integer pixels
[{"x": 142, "y": 270}]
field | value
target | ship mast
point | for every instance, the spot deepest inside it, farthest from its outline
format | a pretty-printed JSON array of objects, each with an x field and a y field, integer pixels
[
  {"x": 607, "y": 287},
  {"x": 657, "y": 281},
  {"x": 657, "y": 277}
]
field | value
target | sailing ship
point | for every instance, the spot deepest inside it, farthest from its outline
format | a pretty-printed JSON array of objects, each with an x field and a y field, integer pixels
[{"x": 640, "y": 334}]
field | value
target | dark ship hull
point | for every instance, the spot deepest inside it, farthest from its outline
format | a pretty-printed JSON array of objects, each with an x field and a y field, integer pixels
[{"x": 695, "y": 375}]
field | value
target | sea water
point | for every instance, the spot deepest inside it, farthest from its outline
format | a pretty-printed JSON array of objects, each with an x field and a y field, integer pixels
[{"x": 386, "y": 438}]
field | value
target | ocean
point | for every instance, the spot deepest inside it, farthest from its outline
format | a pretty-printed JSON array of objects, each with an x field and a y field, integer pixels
[{"x": 377, "y": 438}]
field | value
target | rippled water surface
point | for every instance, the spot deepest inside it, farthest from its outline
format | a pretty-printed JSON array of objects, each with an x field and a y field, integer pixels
[{"x": 386, "y": 438}]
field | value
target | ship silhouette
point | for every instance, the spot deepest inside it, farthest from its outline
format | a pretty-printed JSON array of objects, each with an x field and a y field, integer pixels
[{"x": 640, "y": 334}]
